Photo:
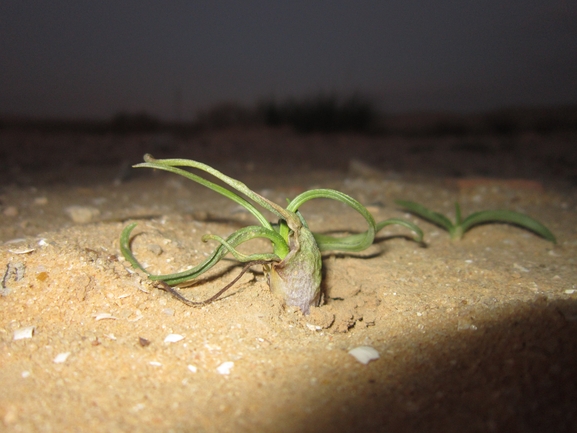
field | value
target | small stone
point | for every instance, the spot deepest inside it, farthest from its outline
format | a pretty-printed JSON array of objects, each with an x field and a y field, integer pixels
[
  {"x": 40, "y": 201},
  {"x": 155, "y": 249},
  {"x": 320, "y": 318},
  {"x": 369, "y": 317},
  {"x": 11, "y": 211},
  {"x": 143, "y": 342},
  {"x": 82, "y": 214},
  {"x": 201, "y": 216},
  {"x": 362, "y": 169},
  {"x": 373, "y": 209}
]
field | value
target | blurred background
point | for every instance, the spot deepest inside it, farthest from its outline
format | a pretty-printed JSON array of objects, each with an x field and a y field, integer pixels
[{"x": 446, "y": 88}]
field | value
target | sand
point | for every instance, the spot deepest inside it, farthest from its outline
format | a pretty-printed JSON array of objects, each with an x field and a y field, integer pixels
[{"x": 472, "y": 335}]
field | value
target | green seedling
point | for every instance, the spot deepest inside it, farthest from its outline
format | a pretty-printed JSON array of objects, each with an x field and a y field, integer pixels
[
  {"x": 294, "y": 265},
  {"x": 457, "y": 229}
]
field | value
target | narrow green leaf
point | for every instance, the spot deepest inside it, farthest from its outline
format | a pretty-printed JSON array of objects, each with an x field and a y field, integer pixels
[
  {"x": 166, "y": 164},
  {"x": 241, "y": 257},
  {"x": 125, "y": 247},
  {"x": 423, "y": 212},
  {"x": 407, "y": 224},
  {"x": 458, "y": 218},
  {"x": 508, "y": 216},
  {"x": 157, "y": 164}
]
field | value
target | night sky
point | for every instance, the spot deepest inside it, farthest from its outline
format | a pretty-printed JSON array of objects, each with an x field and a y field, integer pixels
[{"x": 170, "y": 58}]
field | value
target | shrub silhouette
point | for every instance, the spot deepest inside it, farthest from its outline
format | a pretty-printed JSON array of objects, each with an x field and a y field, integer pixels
[{"x": 323, "y": 113}]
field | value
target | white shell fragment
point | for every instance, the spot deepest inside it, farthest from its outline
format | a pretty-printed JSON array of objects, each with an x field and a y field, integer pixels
[
  {"x": 225, "y": 367},
  {"x": 173, "y": 338},
  {"x": 192, "y": 368},
  {"x": 364, "y": 354},
  {"x": 61, "y": 357},
  {"x": 103, "y": 316},
  {"x": 313, "y": 327},
  {"x": 22, "y": 333},
  {"x": 22, "y": 251}
]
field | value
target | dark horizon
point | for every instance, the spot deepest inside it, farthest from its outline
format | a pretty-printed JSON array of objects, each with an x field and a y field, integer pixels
[
  {"x": 305, "y": 117},
  {"x": 171, "y": 60}
]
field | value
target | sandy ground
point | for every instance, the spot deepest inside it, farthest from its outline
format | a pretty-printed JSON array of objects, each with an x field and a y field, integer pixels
[{"x": 472, "y": 335}]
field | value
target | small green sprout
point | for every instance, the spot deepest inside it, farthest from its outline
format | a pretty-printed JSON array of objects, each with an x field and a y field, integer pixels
[
  {"x": 460, "y": 226},
  {"x": 294, "y": 265}
]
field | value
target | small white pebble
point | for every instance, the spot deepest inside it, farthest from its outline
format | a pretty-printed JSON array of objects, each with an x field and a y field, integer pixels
[
  {"x": 568, "y": 292},
  {"x": 225, "y": 367},
  {"x": 155, "y": 363},
  {"x": 43, "y": 243},
  {"x": 173, "y": 338},
  {"x": 138, "y": 407},
  {"x": 61, "y": 357},
  {"x": 192, "y": 368},
  {"x": 364, "y": 354},
  {"x": 25, "y": 374},
  {"x": 23, "y": 333}
]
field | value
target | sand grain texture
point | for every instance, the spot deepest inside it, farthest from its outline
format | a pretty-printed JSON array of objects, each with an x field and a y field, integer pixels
[{"x": 475, "y": 335}]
